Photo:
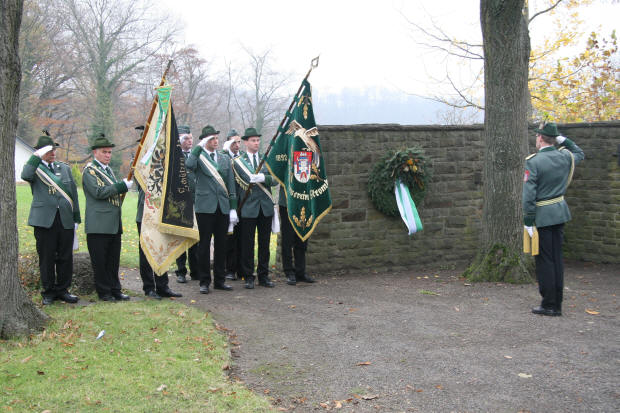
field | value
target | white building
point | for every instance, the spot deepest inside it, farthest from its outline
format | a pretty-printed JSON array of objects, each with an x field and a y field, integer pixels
[{"x": 23, "y": 152}]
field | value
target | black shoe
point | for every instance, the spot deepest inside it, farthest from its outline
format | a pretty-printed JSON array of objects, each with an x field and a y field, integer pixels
[
  {"x": 169, "y": 293},
  {"x": 266, "y": 283},
  {"x": 249, "y": 284},
  {"x": 204, "y": 289},
  {"x": 181, "y": 279},
  {"x": 48, "y": 300},
  {"x": 546, "y": 311},
  {"x": 120, "y": 296},
  {"x": 152, "y": 294},
  {"x": 231, "y": 276},
  {"x": 222, "y": 287},
  {"x": 107, "y": 297},
  {"x": 68, "y": 298},
  {"x": 291, "y": 280},
  {"x": 306, "y": 279}
]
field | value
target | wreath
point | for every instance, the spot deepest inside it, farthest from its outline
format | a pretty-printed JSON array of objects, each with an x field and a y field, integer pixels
[{"x": 408, "y": 166}]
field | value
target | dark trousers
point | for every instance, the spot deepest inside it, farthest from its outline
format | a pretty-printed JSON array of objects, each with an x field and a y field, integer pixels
[
  {"x": 249, "y": 227},
  {"x": 233, "y": 251},
  {"x": 291, "y": 247},
  {"x": 55, "y": 250},
  {"x": 105, "y": 255},
  {"x": 191, "y": 256},
  {"x": 550, "y": 266},
  {"x": 209, "y": 225},
  {"x": 150, "y": 280}
]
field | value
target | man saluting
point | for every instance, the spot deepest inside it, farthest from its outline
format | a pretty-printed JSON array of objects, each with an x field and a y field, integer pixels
[
  {"x": 55, "y": 215},
  {"x": 103, "y": 220}
]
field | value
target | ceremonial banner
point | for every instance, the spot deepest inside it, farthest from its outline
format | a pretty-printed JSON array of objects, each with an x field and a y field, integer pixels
[
  {"x": 168, "y": 223},
  {"x": 296, "y": 162}
]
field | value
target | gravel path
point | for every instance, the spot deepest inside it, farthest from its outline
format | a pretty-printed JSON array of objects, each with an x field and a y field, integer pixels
[{"x": 422, "y": 341}]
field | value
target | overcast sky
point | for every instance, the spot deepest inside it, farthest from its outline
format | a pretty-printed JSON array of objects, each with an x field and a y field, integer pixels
[{"x": 362, "y": 43}]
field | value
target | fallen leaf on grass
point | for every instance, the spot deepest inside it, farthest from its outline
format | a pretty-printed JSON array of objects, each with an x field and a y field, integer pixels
[
  {"x": 27, "y": 359},
  {"x": 292, "y": 306},
  {"x": 507, "y": 357},
  {"x": 266, "y": 391},
  {"x": 456, "y": 309},
  {"x": 439, "y": 386},
  {"x": 525, "y": 376},
  {"x": 40, "y": 373},
  {"x": 162, "y": 387},
  {"x": 337, "y": 404},
  {"x": 364, "y": 363},
  {"x": 325, "y": 406},
  {"x": 192, "y": 301},
  {"x": 592, "y": 312},
  {"x": 370, "y": 396}
]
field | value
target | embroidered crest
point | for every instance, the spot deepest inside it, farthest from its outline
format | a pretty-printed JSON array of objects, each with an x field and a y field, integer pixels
[
  {"x": 302, "y": 161},
  {"x": 526, "y": 176}
]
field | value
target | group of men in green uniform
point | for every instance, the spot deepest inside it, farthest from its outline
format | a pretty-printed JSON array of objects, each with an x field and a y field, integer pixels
[{"x": 221, "y": 181}]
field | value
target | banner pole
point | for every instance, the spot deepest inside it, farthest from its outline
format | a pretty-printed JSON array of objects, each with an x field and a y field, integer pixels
[
  {"x": 146, "y": 128},
  {"x": 313, "y": 64}
]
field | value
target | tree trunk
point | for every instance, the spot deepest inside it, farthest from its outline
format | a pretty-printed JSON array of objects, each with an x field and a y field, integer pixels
[
  {"x": 18, "y": 315},
  {"x": 506, "y": 46}
]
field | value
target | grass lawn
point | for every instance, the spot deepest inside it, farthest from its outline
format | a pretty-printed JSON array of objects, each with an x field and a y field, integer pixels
[
  {"x": 155, "y": 356},
  {"x": 129, "y": 246}
]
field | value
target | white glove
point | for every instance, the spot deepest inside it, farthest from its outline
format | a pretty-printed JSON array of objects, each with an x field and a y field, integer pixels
[
  {"x": 560, "y": 139},
  {"x": 234, "y": 219},
  {"x": 128, "y": 183},
  {"x": 530, "y": 230},
  {"x": 257, "y": 179},
  {"x": 76, "y": 243},
  {"x": 42, "y": 151},
  {"x": 203, "y": 143}
]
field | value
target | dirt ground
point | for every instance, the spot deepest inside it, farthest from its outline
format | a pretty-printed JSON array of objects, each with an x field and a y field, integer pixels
[{"x": 422, "y": 341}]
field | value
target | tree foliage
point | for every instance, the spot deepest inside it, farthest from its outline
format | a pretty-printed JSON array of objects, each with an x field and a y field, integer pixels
[{"x": 579, "y": 89}]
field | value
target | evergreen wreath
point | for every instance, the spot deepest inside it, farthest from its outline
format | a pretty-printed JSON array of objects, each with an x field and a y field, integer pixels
[{"x": 410, "y": 167}]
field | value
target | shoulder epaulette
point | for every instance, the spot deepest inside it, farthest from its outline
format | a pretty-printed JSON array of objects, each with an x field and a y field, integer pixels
[{"x": 530, "y": 156}]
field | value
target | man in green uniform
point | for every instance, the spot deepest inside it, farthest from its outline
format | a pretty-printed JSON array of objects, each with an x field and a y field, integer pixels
[
  {"x": 257, "y": 211},
  {"x": 214, "y": 204},
  {"x": 232, "y": 147},
  {"x": 55, "y": 215},
  {"x": 103, "y": 220},
  {"x": 547, "y": 175},
  {"x": 191, "y": 257}
]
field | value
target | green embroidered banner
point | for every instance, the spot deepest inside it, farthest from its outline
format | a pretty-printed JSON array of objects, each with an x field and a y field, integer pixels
[{"x": 296, "y": 161}]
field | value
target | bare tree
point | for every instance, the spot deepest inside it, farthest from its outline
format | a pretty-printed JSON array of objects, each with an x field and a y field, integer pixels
[
  {"x": 262, "y": 101},
  {"x": 18, "y": 315},
  {"x": 467, "y": 94},
  {"x": 111, "y": 40},
  {"x": 506, "y": 56}
]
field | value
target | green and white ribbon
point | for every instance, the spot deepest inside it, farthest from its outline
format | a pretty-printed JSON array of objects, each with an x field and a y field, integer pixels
[
  {"x": 163, "y": 96},
  {"x": 407, "y": 208}
]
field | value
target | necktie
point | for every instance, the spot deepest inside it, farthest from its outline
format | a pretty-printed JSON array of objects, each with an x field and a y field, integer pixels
[
  {"x": 255, "y": 162},
  {"x": 212, "y": 156},
  {"x": 186, "y": 154},
  {"x": 51, "y": 166}
]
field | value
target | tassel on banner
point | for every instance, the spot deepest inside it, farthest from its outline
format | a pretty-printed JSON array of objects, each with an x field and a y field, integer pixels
[{"x": 530, "y": 244}]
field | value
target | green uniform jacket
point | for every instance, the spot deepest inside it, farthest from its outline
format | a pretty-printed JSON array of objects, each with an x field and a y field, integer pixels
[
  {"x": 103, "y": 210},
  {"x": 209, "y": 193},
  {"x": 46, "y": 201},
  {"x": 258, "y": 199},
  {"x": 546, "y": 177}
]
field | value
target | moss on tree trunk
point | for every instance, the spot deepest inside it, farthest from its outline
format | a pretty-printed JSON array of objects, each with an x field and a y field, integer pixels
[{"x": 501, "y": 264}]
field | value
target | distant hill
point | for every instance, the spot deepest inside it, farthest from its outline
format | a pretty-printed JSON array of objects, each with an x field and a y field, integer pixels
[{"x": 351, "y": 106}]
